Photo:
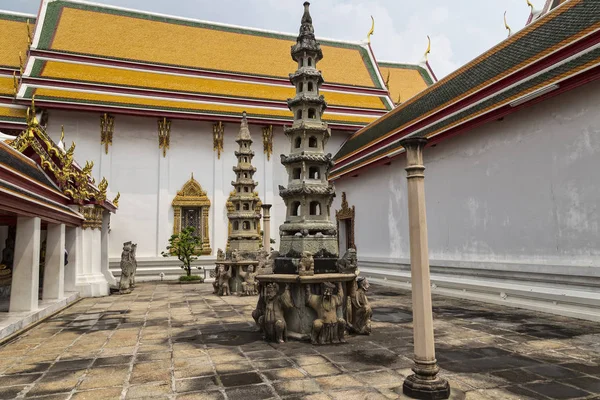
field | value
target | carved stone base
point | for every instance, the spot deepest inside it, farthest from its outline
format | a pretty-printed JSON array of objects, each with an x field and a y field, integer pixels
[
  {"x": 425, "y": 384},
  {"x": 245, "y": 245}
]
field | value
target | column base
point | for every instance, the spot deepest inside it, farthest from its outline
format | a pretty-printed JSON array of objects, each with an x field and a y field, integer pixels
[
  {"x": 425, "y": 384},
  {"x": 426, "y": 389}
]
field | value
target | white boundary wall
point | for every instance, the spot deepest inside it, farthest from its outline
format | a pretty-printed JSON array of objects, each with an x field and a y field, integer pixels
[{"x": 513, "y": 210}]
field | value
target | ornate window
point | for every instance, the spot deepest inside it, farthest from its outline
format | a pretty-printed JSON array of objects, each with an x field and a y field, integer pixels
[
  {"x": 190, "y": 208},
  {"x": 345, "y": 222},
  {"x": 312, "y": 141}
]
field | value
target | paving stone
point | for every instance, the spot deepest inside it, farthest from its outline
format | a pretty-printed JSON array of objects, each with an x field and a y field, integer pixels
[
  {"x": 10, "y": 392},
  {"x": 338, "y": 382},
  {"x": 101, "y": 394},
  {"x": 283, "y": 374},
  {"x": 14, "y": 380},
  {"x": 321, "y": 370},
  {"x": 556, "y": 390},
  {"x": 149, "y": 391},
  {"x": 213, "y": 395},
  {"x": 244, "y": 379},
  {"x": 249, "y": 392},
  {"x": 196, "y": 384},
  {"x": 295, "y": 387},
  {"x": 586, "y": 383},
  {"x": 380, "y": 378},
  {"x": 357, "y": 394}
]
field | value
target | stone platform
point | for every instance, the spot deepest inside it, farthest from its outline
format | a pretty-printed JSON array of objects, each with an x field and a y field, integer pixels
[{"x": 171, "y": 341}]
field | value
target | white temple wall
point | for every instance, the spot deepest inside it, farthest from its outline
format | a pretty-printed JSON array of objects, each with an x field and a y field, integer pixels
[
  {"x": 148, "y": 182},
  {"x": 512, "y": 210}
]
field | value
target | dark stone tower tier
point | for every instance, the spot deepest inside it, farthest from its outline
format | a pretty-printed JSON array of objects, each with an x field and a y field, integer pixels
[{"x": 308, "y": 195}]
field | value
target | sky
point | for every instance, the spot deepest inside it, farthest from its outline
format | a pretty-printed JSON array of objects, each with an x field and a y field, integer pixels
[{"x": 460, "y": 30}]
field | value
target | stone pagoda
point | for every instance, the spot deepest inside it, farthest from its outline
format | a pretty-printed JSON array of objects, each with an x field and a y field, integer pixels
[
  {"x": 309, "y": 195},
  {"x": 307, "y": 292},
  {"x": 244, "y": 203}
]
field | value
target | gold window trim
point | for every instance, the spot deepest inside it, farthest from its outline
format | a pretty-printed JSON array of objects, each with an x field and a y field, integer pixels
[
  {"x": 192, "y": 195},
  {"x": 346, "y": 212}
]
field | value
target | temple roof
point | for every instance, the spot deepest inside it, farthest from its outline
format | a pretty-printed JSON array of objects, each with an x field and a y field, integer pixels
[
  {"x": 405, "y": 80},
  {"x": 94, "y": 57},
  {"x": 555, "y": 53}
]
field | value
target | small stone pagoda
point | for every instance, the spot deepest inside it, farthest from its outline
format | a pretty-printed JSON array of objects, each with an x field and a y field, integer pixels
[
  {"x": 311, "y": 294},
  {"x": 236, "y": 269},
  {"x": 244, "y": 214}
]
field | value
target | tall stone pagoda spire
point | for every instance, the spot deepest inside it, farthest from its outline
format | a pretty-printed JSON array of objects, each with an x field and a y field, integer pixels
[
  {"x": 309, "y": 195},
  {"x": 244, "y": 203}
]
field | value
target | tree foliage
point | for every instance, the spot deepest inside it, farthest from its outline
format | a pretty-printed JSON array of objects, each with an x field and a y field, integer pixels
[{"x": 183, "y": 246}]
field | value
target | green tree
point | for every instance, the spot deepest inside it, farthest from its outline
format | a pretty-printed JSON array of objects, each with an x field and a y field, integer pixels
[{"x": 183, "y": 246}]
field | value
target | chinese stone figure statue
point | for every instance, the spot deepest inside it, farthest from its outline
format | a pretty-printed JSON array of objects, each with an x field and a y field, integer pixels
[
  {"x": 249, "y": 285},
  {"x": 221, "y": 283},
  {"x": 348, "y": 263},
  {"x": 128, "y": 265},
  {"x": 307, "y": 264},
  {"x": 361, "y": 313},
  {"x": 134, "y": 262},
  {"x": 269, "y": 312},
  {"x": 327, "y": 328},
  {"x": 220, "y": 255}
]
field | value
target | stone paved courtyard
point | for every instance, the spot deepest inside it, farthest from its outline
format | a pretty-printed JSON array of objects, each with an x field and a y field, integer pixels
[{"x": 181, "y": 342}]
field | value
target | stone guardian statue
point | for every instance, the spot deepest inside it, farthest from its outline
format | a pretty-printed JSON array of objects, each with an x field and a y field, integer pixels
[
  {"x": 249, "y": 284},
  {"x": 327, "y": 328},
  {"x": 128, "y": 265},
  {"x": 269, "y": 312},
  {"x": 361, "y": 313},
  {"x": 221, "y": 283}
]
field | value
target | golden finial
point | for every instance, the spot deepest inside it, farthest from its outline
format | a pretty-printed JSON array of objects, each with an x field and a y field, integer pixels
[
  {"x": 387, "y": 81},
  {"x": 62, "y": 134},
  {"x": 428, "y": 48},
  {"x": 21, "y": 63},
  {"x": 530, "y": 5},
  {"x": 506, "y": 25},
  {"x": 89, "y": 165},
  {"x": 15, "y": 83},
  {"x": 116, "y": 199},
  {"x": 103, "y": 185},
  {"x": 29, "y": 40},
  {"x": 31, "y": 118},
  {"x": 399, "y": 100},
  {"x": 372, "y": 29}
]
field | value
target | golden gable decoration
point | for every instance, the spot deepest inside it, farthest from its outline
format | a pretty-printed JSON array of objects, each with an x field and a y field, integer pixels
[{"x": 190, "y": 208}]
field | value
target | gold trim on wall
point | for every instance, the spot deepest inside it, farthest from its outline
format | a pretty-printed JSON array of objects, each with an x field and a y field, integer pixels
[
  {"x": 267, "y": 133},
  {"x": 218, "y": 135},
  {"x": 192, "y": 195},
  {"x": 164, "y": 135},
  {"x": 107, "y": 125}
]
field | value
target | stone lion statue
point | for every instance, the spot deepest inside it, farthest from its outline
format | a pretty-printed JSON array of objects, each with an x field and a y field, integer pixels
[
  {"x": 307, "y": 264},
  {"x": 348, "y": 263}
]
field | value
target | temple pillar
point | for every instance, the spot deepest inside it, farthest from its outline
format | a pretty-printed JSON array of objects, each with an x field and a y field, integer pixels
[
  {"x": 26, "y": 266},
  {"x": 266, "y": 208},
  {"x": 425, "y": 382},
  {"x": 104, "y": 241},
  {"x": 54, "y": 266},
  {"x": 163, "y": 226},
  {"x": 73, "y": 258},
  {"x": 91, "y": 282}
]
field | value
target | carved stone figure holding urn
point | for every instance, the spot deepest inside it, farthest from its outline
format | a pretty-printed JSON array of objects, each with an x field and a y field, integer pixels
[
  {"x": 269, "y": 312},
  {"x": 327, "y": 328}
]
